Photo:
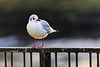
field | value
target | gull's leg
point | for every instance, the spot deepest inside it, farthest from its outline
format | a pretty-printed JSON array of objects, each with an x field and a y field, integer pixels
[
  {"x": 34, "y": 43},
  {"x": 42, "y": 42}
]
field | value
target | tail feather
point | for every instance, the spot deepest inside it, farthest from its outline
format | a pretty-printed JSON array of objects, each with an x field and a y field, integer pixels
[
  {"x": 56, "y": 30},
  {"x": 52, "y": 30}
]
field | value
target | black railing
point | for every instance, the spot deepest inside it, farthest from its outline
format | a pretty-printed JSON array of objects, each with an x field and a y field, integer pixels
[{"x": 45, "y": 55}]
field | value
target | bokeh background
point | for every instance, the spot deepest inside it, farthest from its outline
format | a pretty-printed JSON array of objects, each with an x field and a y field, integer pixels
[{"x": 77, "y": 20}]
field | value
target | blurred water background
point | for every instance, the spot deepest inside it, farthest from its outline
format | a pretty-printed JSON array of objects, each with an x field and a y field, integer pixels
[{"x": 77, "y": 20}]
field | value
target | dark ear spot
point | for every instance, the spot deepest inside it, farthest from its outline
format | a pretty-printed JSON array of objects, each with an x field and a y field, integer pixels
[{"x": 30, "y": 19}]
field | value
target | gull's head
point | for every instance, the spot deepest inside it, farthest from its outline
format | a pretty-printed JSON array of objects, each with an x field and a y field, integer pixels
[{"x": 34, "y": 17}]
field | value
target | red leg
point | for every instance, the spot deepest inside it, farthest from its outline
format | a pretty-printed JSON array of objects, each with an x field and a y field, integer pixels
[
  {"x": 42, "y": 42},
  {"x": 34, "y": 43}
]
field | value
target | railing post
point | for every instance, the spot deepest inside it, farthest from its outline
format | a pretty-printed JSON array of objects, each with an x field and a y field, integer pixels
[
  {"x": 31, "y": 59},
  {"x": 76, "y": 59},
  {"x": 11, "y": 59},
  {"x": 47, "y": 59},
  {"x": 5, "y": 55},
  {"x": 42, "y": 58},
  {"x": 90, "y": 58},
  {"x": 97, "y": 59},
  {"x": 55, "y": 59},
  {"x": 24, "y": 59},
  {"x": 69, "y": 64}
]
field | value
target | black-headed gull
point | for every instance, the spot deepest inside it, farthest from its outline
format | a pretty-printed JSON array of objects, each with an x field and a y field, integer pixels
[{"x": 38, "y": 28}]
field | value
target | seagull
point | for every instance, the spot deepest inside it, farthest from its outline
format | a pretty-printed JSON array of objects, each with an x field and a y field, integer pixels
[{"x": 38, "y": 29}]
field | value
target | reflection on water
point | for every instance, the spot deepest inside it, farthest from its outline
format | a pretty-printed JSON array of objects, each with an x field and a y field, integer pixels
[
  {"x": 70, "y": 43},
  {"x": 12, "y": 41}
]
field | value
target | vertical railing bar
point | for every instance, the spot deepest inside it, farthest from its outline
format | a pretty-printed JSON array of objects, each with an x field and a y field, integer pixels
[
  {"x": 69, "y": 65},
  {"x": 24, "y": 59},
  {"x": 55, "y": 59},
  {"x": 47, "y": 59},
  {"x": 90, "y": 58},
  {"x": 11, "y": 59},
  {"x": 97, "y": 59},
  {"x": 76, "y": 59},
  {"x": 42, "y": 57},
  {"x": 30, "y": 59},
  {"x": 5, "y": 55}
]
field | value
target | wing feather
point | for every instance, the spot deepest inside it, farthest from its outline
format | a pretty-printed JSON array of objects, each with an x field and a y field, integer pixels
[{"x": 45, "y": 26}]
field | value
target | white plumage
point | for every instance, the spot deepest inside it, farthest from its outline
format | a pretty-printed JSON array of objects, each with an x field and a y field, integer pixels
[{"x": 38, "y": 28}]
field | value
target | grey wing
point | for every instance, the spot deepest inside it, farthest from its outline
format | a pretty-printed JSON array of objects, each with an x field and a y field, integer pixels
[{"x": 45, "y": 26}]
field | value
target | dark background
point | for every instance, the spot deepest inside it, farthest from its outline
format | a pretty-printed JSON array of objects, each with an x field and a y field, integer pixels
[{"x": 73, "y": 18}]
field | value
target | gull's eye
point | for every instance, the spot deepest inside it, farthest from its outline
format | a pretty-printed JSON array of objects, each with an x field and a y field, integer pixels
[{"x": 33, "y": 18}]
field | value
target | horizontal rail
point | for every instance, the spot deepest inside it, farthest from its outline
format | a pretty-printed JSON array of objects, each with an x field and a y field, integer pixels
[
  {"x": 85, "y": 50},
  {"x": 45, "y": 55}
]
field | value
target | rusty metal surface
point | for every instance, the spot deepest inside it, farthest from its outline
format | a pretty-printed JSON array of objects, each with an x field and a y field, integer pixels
[{"x": 90, "y": 50}]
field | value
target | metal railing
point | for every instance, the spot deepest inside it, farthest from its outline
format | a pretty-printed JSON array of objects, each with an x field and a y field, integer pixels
[{"x": 45, "y": 55}]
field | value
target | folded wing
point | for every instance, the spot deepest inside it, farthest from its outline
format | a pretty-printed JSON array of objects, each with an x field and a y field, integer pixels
[{"x": 45, "y": 26}]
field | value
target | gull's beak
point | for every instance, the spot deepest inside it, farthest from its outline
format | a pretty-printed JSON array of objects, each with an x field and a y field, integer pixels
[{"x": 38, "y": 20}]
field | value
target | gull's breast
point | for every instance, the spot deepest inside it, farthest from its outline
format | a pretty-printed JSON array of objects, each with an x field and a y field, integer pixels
[{"x": 36, "y": 30}]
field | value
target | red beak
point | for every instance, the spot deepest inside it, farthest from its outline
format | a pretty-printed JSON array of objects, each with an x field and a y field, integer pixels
[{"x": 38, "y": 20}]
